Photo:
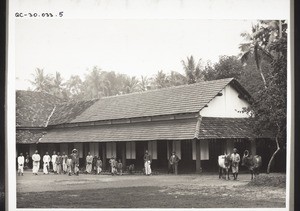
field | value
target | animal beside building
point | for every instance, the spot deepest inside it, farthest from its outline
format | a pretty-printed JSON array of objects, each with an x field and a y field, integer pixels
[
  {"x": 224, "y": 162},
  {"x": 252, "y": 162}
]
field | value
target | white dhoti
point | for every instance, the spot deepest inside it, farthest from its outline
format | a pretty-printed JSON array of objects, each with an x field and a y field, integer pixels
[
  {"x": 99, "y": 169},
  {"x": 89, "y": 168},
  {"x": 35, "y": 167},
  {"x": 45, "y": 168},
  {"x": 54, "y": 167},
  {"x": 65, "y": 167},
  {"x": 20, "y": 168},
  {"x": 147, "y": 167}
]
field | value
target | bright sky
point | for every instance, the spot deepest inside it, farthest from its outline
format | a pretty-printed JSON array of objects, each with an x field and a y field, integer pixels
[{"x": 134, "y": 47}]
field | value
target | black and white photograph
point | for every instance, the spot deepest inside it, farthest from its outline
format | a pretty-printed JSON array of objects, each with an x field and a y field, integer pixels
[{"x": 147, "y": 112}]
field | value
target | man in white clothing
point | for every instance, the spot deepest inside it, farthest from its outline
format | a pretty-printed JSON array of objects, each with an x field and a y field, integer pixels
[
  {"x": 46, "y": 161},
  {"x": 21, "y": 160},
  {"x": 35, "y": 162},
  {"x": 53, "y": 160}
]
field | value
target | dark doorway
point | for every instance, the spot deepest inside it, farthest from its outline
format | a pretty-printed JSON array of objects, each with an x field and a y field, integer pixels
[
  {"x": 141, "y": 147},
  {"x": 162, "y": 158},
  {"x": 186, "y": 163},
  {"x": 216, "y": 148}
]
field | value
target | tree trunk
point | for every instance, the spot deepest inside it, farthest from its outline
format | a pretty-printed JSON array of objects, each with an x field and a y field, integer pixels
[
  {"x": 273, "y": 156},
  {"x": 263, "y": 78}
]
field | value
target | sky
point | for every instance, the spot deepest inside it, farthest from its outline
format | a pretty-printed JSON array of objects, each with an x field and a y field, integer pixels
[{"x": 134, "y": 47}]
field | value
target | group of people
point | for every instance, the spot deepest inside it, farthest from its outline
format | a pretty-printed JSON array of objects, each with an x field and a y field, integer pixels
[
  {"x": 66, "y": 164},
  {"x": 69, "y": 164}
]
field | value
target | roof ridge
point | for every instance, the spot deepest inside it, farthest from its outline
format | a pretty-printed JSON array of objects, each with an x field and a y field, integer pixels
[{"x": 167, "y": 88}]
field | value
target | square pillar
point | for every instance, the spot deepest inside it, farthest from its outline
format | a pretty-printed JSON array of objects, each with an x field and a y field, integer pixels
[
  {"x": 103, "y": 146},
  {"x": 198, "y": 157},
  {"x": 123, "y": 154}
]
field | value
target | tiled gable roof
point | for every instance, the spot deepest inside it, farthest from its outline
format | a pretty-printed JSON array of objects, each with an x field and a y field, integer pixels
[
  {"x": 34, "y": 108},
  {"x": 218, "y": 128},
  {"x": 183, "y": 129},
  {"x": 66, "y": 112},
  {"x": 29, "y": 136},
  {"x": 174, "y": 100}
]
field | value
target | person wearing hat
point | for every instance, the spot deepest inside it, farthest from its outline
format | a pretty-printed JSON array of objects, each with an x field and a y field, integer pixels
[
  {"x": 173, "y": 160},
  {"x": 235, "y": 160}
]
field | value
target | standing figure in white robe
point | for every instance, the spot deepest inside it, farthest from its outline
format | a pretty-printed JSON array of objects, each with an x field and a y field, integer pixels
[
  {"x": 147, "y": 163},
  {"x": 35, "y": 162},
  {"x": 53, "y": 160},
  {"x": 21, "y": 161},
  {"x": 46, "y": 161},
  {"x": 64, "y": 162},
  {"x": 89, "y": 162}
]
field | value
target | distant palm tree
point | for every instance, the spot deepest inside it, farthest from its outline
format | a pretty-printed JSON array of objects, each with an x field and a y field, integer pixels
[
  {"x": 131, "y": 84},
  {"x": 41, "y": 82},
  {"x": 192, "y": 70}
]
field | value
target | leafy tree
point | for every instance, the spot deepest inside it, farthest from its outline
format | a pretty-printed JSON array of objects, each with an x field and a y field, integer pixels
[
  {"x": 226, "y": 67},
  {"x": 176, "y": 79},
  {"x": 74, "y": 88}
]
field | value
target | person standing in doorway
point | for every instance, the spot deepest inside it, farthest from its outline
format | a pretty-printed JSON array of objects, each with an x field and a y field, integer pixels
[
  {"x": 46, "y": 161},
  {"x": 21, "y": 161},
  {"x": 27, "y": 160},
  {"x": 53, "y": 160},
  {"x": 89, "y": 162},
  {"x": 35, "y": 162},
  {"x": 147, "y": 163},
  {"x": 235, "y": 160},
  {"x": 173, "y": 160}
]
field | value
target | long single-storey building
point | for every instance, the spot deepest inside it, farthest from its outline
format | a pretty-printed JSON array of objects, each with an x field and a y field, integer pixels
[{"x": 198, "y": 122}]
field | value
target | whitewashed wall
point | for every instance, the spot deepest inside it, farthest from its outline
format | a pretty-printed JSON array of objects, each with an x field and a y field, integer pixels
[{"x": 228, "y": 105}]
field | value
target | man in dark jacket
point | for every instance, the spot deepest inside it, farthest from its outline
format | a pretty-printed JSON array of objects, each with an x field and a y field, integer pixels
[{"x": 173, "y": 160}]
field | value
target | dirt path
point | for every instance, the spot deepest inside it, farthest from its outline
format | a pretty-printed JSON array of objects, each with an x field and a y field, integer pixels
[{"x": 96, "y": 191}]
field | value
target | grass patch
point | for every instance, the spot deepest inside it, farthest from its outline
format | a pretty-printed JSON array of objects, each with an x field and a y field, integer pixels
[{"x": 269, "y": 181}]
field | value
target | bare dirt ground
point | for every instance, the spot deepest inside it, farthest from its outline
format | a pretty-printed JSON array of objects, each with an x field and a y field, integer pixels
[{"x": 134, "y": 191}]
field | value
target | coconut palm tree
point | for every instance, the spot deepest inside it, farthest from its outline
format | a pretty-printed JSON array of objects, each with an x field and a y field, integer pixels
[
  {"x": 257, "y": 44},
  {"x": 41, "y": 81},
  {"x": 192, "y": 70}
]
